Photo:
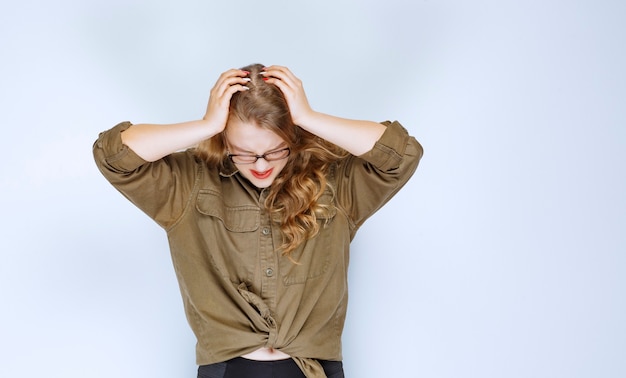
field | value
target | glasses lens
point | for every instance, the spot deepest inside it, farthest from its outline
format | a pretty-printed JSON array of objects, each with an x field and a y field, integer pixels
[
  {"x": 243, "y": 159},
  {"x": 270, "y": 156},
  {"x": 277, "y": 155}
]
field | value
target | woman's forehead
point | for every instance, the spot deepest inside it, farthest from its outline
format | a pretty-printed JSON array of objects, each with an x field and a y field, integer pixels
[{"x": 249, "y": 137}]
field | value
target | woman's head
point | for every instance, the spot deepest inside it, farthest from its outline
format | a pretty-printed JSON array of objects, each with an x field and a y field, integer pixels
[
  {"x": 259, "y": 126},
  {"x": 258, "y": 153},
  {"x": 259, "y": 122},
  {"x": 264, "y": 105}
]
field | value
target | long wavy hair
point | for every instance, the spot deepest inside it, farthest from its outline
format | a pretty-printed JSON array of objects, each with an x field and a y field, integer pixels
[{"x": 293, "y": 196}]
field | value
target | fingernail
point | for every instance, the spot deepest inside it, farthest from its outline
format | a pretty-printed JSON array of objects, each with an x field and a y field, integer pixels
[
  {"x": 262, "y": 73},
  {"x": 246, "y": 72},
  {"x": 246, "y": 88},
  {"x": 265, "y": 79},
  {"x": 246, "y": 79}
]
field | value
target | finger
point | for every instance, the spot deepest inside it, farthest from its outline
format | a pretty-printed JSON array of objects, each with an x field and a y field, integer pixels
[
  {"x": 282, "y": 73},
  {"x": 279, "y": 79},
  {"x": 275, "y": 67},
  {"x": 231, "y": 73},
  {"x": 232, "y": 90},
  {"x": 230, "y": 82},
  {"x": 224, "y": 100},
  {"x": 284, "y": 87}
]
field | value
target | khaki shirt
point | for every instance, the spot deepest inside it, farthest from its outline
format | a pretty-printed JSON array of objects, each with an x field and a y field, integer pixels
[{"x": 239, "y": 293}]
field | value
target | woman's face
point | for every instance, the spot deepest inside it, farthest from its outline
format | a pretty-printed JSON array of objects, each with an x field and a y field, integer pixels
[{"x": 246, "y": 138}]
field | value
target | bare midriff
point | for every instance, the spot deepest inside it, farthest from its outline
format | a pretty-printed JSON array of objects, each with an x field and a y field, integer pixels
[{"x": 266, "y": 354}]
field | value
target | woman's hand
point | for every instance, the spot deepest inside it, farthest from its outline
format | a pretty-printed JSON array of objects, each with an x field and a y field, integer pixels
[
  {"x": 354, "y": 136},
  {"x": 229, "y": 83},
  {"x": 293, "y": 90},
  {"x": 152, "y": 141}
]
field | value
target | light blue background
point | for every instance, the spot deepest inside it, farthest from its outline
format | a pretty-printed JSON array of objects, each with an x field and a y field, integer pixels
[{"x": 503, "y": 257}]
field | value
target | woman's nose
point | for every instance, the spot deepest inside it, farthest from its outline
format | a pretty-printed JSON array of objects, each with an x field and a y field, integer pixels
[{"x": 261, "y": 165}]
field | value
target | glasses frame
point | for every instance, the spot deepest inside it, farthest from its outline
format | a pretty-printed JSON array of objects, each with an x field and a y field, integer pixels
[{"x": 257, "y": 157}]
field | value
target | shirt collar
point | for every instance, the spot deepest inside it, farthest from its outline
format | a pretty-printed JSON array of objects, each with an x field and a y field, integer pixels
[{"x": 228, "y": 169}]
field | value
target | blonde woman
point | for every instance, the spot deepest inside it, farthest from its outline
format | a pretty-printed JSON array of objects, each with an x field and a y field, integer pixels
[{"x": 260, "y": 200}]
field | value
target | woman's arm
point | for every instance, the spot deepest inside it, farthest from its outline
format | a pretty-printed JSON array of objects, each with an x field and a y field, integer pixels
[
  {"x": 356, "y": 137},
  {"x": 152, "y": 142}
]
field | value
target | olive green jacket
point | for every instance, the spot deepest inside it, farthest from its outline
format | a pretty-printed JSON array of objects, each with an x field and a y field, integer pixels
[{"x": 238, "y": 291}]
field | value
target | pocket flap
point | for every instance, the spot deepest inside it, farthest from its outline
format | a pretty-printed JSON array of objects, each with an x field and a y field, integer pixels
[{"x": 235, "y": 218}]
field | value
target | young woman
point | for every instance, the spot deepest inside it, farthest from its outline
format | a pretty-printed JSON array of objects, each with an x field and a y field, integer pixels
[{"x": 260, "y": 200}]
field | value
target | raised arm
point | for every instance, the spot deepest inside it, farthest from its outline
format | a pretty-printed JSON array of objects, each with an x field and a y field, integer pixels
[
  {"x": 354, "y": 136},
  {"x": 152, "y": 142}
]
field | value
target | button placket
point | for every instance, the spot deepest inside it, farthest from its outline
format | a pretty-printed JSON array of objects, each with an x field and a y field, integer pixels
[
  {"x": 267, "y": 259},
  {"x": 266, "y": 231}
]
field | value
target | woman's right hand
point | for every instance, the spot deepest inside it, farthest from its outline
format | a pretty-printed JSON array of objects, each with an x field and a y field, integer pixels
[
  {"x": 152, "y": 141},
  {"x": 229, "y": 83}
]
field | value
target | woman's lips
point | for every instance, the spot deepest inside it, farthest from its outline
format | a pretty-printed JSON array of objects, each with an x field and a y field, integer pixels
[{"x": 261, "y": 175}]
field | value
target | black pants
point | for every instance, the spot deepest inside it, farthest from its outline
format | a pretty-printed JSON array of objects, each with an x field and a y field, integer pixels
[{"x": 244, "y": 368}]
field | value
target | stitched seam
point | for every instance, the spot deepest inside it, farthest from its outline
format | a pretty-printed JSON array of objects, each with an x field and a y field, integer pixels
[{"x": 192, "y": 194}]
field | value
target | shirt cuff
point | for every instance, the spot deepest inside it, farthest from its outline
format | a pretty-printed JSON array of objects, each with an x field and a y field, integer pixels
[
  {"x": 388, "y": 151},
  {"x": 116, "y": 154}
]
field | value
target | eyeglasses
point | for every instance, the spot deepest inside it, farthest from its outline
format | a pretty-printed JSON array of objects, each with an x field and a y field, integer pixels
[{"x": 268, "y": 156}]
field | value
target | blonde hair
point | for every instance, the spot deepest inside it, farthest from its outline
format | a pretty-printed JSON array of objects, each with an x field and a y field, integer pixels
[{"x": 293, "y": 196}]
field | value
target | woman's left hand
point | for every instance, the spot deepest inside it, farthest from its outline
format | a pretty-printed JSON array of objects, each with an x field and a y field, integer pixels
[
  {"x": 356, "y": 137},
  {"x": 293, "y": 90}
]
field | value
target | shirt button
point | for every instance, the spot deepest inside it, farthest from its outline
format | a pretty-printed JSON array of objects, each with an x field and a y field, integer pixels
[
  {"x": 265, "y": 231},
  {"x": 269, "y": 272}
]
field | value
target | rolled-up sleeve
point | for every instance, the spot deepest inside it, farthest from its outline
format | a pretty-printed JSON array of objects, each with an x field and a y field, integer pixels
[
  {"x": 365, "y": 183},
  {"x": 161, "y": 189},
  {"x": 388, "y": 152},
  {"x": 111, "y": 154}
]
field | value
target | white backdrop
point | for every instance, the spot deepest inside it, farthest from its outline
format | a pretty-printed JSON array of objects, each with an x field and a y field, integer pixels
[{"x": 503, "y": 257}]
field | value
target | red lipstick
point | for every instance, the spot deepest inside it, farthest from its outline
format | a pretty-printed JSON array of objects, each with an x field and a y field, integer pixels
[{"x": 261, "y": 175}]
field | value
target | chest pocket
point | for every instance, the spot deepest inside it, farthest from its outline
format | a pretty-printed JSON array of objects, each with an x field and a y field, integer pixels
[
  {"x": 244, "y": 218},
  {"x": 231, "y": 235},
  {"x": 315, "y": 256}
]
